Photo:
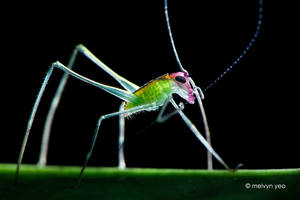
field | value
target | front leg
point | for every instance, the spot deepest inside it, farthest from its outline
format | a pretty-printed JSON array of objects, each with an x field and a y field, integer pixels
[
  {"x": 162, "y": 118},
  {"x": 195, "y": 131},
  {"x": 107, "y": 116}
]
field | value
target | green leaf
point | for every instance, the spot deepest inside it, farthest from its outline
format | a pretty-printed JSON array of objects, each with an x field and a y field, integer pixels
[{"x": 55, "y": 182}]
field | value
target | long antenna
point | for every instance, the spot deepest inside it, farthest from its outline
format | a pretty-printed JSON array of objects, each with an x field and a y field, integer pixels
[
  {"x": 198, "y": 95},
  {"x": 171, "y": 36},
  {"x": 196, "y": 88},
  {"x": 259, "y": 21}
]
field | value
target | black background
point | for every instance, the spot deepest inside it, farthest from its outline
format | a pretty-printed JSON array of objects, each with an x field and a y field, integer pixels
[{"x": 252, "y": 111}]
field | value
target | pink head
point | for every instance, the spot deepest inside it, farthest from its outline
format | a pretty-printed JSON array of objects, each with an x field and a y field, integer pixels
[{"x": 182, "y": 86}]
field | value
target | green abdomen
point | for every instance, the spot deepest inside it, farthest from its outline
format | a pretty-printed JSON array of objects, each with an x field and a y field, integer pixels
[{"x": 156, "y": 91}]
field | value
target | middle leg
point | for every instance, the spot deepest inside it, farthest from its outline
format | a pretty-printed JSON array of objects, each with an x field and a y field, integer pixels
[
  {"x": 121, "y": 158},
  {"x": 107, "y": 116}
]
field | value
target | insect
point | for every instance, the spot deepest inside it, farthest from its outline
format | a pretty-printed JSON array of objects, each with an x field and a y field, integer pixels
[{"x": 154, "y": 95}]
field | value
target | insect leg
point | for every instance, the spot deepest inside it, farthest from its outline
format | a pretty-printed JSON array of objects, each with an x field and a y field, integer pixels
[
  {"x": 30, "y": 121},
  {"x": 129, "y": 86},
  {"x": 160, "y": 118},
  {"x": 121, "y": 158},
  {"x": 50, "y": 116},
  {"x": 198, "y": 135},
  {"x": 122, "y": 94},
  {"x": 107, "y": 116},
  {"x": 199, "y": 96}
]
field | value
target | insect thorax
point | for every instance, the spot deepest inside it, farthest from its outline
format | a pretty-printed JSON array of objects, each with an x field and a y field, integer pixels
[{"x": 155, "y": 92}]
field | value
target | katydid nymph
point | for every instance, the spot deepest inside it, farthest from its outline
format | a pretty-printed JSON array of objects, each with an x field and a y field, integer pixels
[{"x": 154, "y": 95}]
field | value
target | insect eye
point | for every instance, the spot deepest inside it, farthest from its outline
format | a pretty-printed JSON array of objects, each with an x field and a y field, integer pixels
[{"x": 180, "y": 79}]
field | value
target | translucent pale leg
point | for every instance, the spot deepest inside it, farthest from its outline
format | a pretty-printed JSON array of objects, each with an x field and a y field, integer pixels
[
  {"x": 179, "y": 109},
  {"x": 192, "y": 127},
  {"x": 56, "y": 99},
  {"x": 207, "y": 133},
  {"x": 162, "y": 118},
  {"x": 198, "y": 135},
  {"x": 122, "y": 94},
  {"x": 50, "y": 116},
  {"x": 30, "y": 121},
  {"x": 148, "y": 107},
  {"x": 199, "y": 96},
  {"x": 121, "y": 158},
  {"x": 129, "y": 86}
]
